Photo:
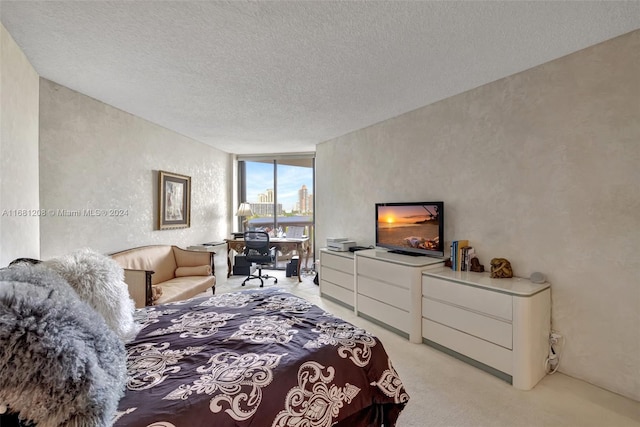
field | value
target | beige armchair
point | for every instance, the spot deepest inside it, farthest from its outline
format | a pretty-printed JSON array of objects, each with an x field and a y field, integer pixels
[{"x": 159, "y": 274}]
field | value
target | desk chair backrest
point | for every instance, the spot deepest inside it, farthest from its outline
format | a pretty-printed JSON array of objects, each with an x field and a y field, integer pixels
[{"x": 256, "y": 247}]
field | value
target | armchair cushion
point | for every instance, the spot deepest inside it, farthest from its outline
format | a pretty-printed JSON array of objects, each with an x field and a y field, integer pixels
[
  {"x": 181, "y": 288},
  {"x": 201, "y": 270}
]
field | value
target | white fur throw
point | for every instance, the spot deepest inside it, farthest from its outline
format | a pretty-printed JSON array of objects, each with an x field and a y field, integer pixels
[
  {"x": 60, "y": 365},
  {"x": 99, "y": 281}
]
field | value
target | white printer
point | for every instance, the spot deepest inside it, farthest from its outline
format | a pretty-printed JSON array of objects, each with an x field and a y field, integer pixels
[{"x": 340, "y": 244}]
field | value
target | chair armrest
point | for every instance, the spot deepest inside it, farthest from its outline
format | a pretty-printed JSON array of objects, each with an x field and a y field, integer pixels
[
  {"x": 139, "y": 284},
  {"x": 187, "y": 258}
]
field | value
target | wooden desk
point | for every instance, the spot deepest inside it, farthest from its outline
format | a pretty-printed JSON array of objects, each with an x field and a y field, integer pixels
[{"x": 283, "y": 245}]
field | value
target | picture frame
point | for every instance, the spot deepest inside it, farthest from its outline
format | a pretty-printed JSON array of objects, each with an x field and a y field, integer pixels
[
  {"x": 174, "y": 201},
  {"x": 295, "y": 232}
]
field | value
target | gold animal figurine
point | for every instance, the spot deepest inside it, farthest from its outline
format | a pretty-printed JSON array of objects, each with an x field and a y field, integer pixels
[{"x": 501, "y": 268}]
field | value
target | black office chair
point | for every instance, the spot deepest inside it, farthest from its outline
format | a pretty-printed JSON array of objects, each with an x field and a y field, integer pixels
[{"x": 258, "y": 251}]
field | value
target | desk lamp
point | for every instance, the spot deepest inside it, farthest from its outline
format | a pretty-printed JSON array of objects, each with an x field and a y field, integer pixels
[{"x": 244, "y": 210}]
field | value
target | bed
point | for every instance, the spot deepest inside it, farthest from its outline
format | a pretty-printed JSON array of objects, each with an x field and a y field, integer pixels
[
  {"x": 256, "y": 358},
  {"x": 75, "y": 352}
]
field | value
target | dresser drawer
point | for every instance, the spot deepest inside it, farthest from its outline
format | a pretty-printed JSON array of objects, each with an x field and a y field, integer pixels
[
  {"x": 392, "y": 316},
  {"x": 487, "y": 328},
  {"x": 481, "y": 300},
  {"x": 402, "y": 276},
  {"x": 337, "y": 262},
  {"x": 483, "y": 351},
  {"x": 336, "y": 292},
  {"x": 384, "y": 292},
  {"x": 337, "y": 277}
]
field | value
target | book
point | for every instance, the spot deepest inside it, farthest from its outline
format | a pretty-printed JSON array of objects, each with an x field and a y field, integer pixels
[
  {"x": 463, "y": 263},
  {"x": 467, "y": 254},
  {"x": 470, "y": 254},
  {"x": 451, "y": 254},
  {"x": 461, "y": 244},
  {"x": 454, "y": 255}
]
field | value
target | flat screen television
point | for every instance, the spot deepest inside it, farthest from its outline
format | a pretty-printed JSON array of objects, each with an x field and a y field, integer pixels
[{"x": 413, "y": 228}]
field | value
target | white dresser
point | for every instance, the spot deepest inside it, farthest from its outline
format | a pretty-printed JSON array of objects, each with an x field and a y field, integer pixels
[
  {"x": 499, "y": 325},
  {"x": 336, "y": 277},
  {"x": 388, "y": 289}
]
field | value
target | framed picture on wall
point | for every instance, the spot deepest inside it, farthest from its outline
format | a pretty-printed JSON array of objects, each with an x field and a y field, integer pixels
[{"x": 174, "y": 201}]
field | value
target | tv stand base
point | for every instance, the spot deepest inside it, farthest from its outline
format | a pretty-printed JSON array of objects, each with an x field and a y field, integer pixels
[{"x": 399, "y": 252}]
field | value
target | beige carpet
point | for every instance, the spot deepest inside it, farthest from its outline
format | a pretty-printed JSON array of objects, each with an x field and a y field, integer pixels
[{"x": 447, "y": 392}]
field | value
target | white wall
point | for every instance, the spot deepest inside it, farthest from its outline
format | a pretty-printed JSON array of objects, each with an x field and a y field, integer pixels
[
  {"x": 19, "y": 220},
  {"x": 542, "y": 168},
  {"x": 94, "y": 156}
]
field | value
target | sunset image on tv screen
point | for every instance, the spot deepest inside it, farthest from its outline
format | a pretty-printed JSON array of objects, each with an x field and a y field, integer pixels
[{"x": 409, "y": 226}]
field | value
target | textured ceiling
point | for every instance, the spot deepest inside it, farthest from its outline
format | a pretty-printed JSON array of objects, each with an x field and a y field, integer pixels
[{"x": 275, "y": 77}]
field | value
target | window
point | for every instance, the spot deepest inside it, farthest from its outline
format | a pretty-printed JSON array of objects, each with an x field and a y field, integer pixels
[{"x": 281, "y": 194}]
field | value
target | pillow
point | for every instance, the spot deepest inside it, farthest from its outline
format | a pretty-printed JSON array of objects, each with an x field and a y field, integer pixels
[
  {"x": 60, "y": 365},
  {"x": 99, "y": 281},
  {"x": 156, "y": 293},
  {"x": 201, "y": 270}
]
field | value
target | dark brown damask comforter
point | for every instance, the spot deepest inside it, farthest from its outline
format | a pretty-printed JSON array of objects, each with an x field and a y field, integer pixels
[{"x": 256, "y": 358}]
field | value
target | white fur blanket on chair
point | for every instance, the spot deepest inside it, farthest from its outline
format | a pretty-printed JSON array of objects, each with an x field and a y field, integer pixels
[{"x": 99, "y": 281}]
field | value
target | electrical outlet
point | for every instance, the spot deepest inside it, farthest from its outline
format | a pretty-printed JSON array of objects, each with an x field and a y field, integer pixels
[
  {"x": 554, "y": 338},
  {"x": 553, "y": 359}
]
